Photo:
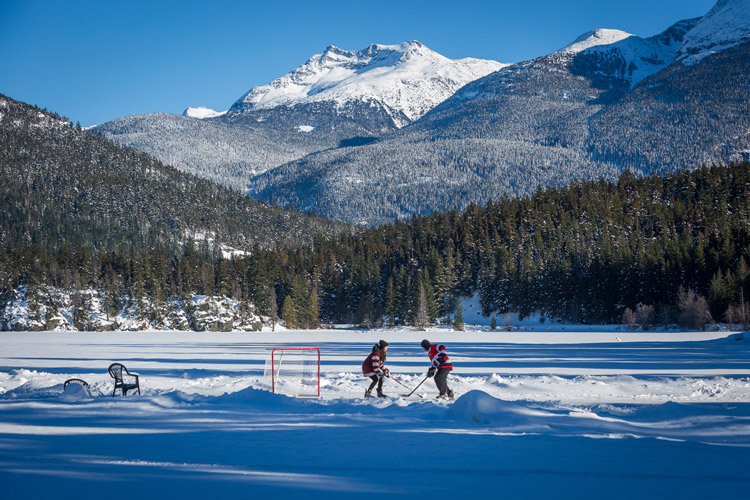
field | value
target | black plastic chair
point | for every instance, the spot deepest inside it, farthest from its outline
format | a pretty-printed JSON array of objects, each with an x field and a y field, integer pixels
[
  {"x": 117, "y": 372},
  {"x": 75, "y": 381}
]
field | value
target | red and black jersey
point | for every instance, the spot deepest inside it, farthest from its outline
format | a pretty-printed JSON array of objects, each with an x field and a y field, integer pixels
[
  {"x": 438, "y": 355},
  {"x": 373, "y": 364}
]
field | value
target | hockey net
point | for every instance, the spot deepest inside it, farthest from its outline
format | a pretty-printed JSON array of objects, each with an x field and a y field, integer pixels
[{"x": 293, "y": 371}]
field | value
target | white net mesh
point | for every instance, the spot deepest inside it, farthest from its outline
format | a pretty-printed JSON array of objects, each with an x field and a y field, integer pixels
[{"x": 293, "y": 371}]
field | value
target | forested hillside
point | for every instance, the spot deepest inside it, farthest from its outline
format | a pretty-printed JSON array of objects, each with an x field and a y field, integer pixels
[
  {"x": 337, "y": 98},
  {"x": 586, "y": 253},
  {"x": 211, "y": 149},
  {"x": 583, "y": 253},
  {"x": 75, "y": 208},
  {"x": 570, "y": 115},
  {"x": 80, "y": 212}
]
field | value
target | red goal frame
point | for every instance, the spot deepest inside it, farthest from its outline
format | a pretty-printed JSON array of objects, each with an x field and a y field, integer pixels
[{"x": 273, "y": 363}]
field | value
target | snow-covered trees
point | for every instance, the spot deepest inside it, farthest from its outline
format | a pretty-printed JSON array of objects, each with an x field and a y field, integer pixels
[{"x": 81, "y": 213}]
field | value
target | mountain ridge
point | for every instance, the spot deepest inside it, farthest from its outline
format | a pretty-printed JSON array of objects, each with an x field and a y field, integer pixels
[
  {"x": 607, "y": 101},
  {"x": 569, "y": 115},
  {"x": 62, "y": 185},
  {"x": 348, "y": 105},
  {"x": 406, "y": 79}
]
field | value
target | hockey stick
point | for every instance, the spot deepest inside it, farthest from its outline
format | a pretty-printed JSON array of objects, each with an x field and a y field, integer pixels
[
  {"x": 417, "y": 387},
  {"x": 404, "y": 385}
]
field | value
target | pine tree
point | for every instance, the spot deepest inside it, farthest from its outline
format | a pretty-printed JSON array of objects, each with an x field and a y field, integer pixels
[
  {"x": 273, "y": 310},
  {"x": 390, "y": 307},
  {"x": 458, "y": 321},
  {"x": 365, "y": 312},
  {"x": 80, "y": 312},
  {"x": 432, "y": 307},
  {"x": 720, "y": 292},
  {"x": 421, "y": 318},
  {"x": 289, "y": 313},
  {"x": 313, "y": 310},
  {"x": 301, "y": 301},
  {"x": 110, "y": 297},
  {"x": 486, "y": 289},
  {"x": 189, "y": 307}
]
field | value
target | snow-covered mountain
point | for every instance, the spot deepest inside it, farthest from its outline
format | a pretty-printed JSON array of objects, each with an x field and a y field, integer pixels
[
  {"x": 725, "y": 26},
  {"x": 215, "y": 150},
  {"x": 407, "y": 80},
  {"x": 337, "y": 98},
  {"x": 595, "y": 38},
  {"x": 606, "y": 102},
  {"x": 616, "y": 54},
  {"x": 432, "y": 133}
]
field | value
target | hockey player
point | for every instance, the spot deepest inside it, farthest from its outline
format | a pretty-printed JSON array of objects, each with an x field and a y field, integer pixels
[
  {"x": 441, "y": 367},
  {"x": 374, "y": 368}
]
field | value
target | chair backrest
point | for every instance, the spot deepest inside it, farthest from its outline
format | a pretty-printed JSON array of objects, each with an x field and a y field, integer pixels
[
  {"x": 115, "y": 371},
  {"x": 75, "y": 381}
]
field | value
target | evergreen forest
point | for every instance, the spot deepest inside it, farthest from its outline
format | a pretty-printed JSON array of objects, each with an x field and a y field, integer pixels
[{"x": 80, "y": 212}]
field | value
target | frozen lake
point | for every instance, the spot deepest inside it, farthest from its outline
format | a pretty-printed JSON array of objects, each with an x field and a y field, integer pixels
[{"x": 563, "y": 414}]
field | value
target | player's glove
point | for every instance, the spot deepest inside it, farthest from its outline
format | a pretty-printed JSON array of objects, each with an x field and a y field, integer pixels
[
  {"x": 386, "y": 372},
  {"x": 431, "y": 371}
]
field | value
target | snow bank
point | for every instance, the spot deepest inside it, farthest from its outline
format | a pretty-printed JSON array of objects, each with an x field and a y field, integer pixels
[
  {"x": 74, "y": 393},
  {"x": 481, "y": 408},
  {"x": 739, "y": 337}
]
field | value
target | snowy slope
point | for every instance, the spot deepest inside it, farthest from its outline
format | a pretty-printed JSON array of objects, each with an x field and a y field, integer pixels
[
  {"x": 724, "y": 26},
  {"x": 606, "y": 102},
  {"x": 595, "y": 38},
  {"x": 407, "y": 79},
  {"x": 618, "y": 54}
]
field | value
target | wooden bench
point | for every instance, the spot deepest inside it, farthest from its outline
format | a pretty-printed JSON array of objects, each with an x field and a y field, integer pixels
[{"x": 118, "y": 371}]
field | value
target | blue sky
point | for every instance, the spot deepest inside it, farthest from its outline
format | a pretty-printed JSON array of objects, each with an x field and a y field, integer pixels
[{"x": 95, "y": 61}]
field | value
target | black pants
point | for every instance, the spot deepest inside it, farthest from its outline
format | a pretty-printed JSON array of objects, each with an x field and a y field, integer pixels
[
  {"x": 441, "y": 380},
  {"x": 376, "y": 380}
]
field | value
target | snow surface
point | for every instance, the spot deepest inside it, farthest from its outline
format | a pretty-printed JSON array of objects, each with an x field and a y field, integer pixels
[
  {"x": 595, "y": 38},
  {"x": 407, "y": 79},
  {"x": 227, "y": 252},
  {"x": 537, "y": 415},
  {"x": 202, "y": 113},
  {"x": 637, "y": 57},
  {"x": 727, "y": 24}
]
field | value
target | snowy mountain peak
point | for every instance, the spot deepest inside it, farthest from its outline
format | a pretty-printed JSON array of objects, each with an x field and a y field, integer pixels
[
  {"x": 627, "y": 57},
  {"x": 595, "y": 38},
  {"x": 406, "y": 80},
  {"x": 727, "y": 24},
  {"x": 202, "y": 113}
]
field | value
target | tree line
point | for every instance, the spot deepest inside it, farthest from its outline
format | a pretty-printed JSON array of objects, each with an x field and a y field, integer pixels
[{"x": 642, "y": 250}]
